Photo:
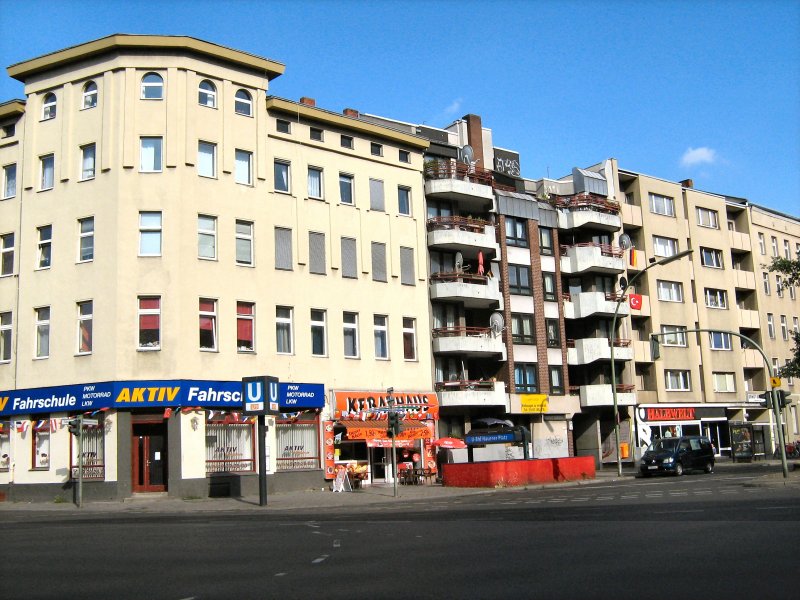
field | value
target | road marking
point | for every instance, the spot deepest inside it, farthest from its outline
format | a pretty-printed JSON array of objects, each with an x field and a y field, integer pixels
[
  {"x": 630, "y": 496},
  {"x": 654, "y": 495},
  {"x": 774, "y": 507},
  {"x": 280, "y": 574},
  {"x": 579, "y": 500},
  {"x": 311, "y": 525},
  {"x": 322, "y": 558},
  {"x": 702, "y": 492},
  {"x": 679, "y": 493},
  {"x": 670, "y": 512},
  {"x": 604, "y": 498},
  {"x": 534, "y": 501},
  {"x": 337, "y": 544},
  {"x": 557, "y": 500},
  {"x": 729, "y": 491}
]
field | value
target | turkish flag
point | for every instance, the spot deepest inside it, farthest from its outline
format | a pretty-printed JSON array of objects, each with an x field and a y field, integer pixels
[{"x": 636, "y": 301}]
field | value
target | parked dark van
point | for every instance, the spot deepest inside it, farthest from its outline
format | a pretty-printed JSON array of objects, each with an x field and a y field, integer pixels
[{"x": 678, "y": 455}]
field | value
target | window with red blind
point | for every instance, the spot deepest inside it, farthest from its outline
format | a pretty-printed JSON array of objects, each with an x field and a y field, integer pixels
[
  {"x": 208, "y": 324},
  {"x": 149, "y": 322},
  {"x": 245, "y": 327}
]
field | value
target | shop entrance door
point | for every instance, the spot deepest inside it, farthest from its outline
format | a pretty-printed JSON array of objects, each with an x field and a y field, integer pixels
[{"x": 149, "y": 457}]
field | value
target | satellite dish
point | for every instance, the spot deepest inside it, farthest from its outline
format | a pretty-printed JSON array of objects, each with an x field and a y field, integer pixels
[
  {"x": 497, "y": 323},
  {"x": 459, "y": 262},
  {"x": 468, "y": 154},
  {"x": 625, "y": 242}
]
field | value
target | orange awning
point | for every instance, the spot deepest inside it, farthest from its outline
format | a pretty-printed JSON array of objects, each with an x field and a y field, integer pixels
[{"x": 376, "y": 430}]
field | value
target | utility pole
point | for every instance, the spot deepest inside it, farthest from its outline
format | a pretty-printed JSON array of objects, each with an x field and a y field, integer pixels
[{"x": 392, "y": 421}]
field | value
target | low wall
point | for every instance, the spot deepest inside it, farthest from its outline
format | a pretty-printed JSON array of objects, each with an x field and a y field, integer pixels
[{"x": 510, "y": 473}]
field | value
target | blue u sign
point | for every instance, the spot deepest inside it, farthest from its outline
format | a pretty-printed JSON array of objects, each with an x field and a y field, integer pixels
[{"x": 253, "y": 392}]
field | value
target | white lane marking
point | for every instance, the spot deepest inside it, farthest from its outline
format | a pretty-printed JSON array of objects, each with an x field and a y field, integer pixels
[
  {"x": 312, "y": 525},
  {"x": 679, "y": 493},
  {"x": 280, "y": 574},
  {"x": 579, "y": 500},
  {"x": 702, "y": 492},
  {"x": 774, "y": 507},
  {"x": 190, "y": 598},
  {"x": 322, "y": 558},
  {"x": 654, "y": 495},
  {"x": 557, "y": 500},
  {"x": 729, "y": 491},
  {"x": 337, "y": 544},
  {"x": 604, "y": 498},
  {"x": 534, "y": 501},
  {"x": 670, "y": 512},
  {"x": 630, "y": 496}
]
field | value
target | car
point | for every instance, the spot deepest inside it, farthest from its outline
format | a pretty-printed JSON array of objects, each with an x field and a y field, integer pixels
[{"x": 677, "y": 455}]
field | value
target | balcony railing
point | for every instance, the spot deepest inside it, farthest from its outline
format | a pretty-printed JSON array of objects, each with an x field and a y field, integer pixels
[
  {"x": 622, "y": 388},
  {"x": 460, "y": 332},
  {"x": 440, "y": 169},
  {"x": 462, "y": 223},
  {"x": 618, "y": 342},
  {"x": 588, "y": 201},
  {"x": 461, "y": 385},
  {"x": 459, "y": 277},
  {"x": 605, "y": 249}
]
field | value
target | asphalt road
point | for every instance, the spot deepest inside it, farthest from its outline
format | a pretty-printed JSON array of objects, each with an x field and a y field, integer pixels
[{"x": 696, "y": 536}]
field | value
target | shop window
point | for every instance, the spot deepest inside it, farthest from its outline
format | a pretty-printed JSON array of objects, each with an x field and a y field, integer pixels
[
  {"x": 230, "y": 445},
  {"x": 5, "y": 446},
  {"x": 40, "y": 443},
  {"x": 298, "y": 443},
  {"x": 93, "y": 453}
]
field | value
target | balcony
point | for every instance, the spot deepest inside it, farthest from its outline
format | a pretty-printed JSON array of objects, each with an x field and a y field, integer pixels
[
  {"x": 600, "y": 395},
  {"x": 588, "y": 350},
  {"x": 749, "y": 319},
  {"x": 586, "y": 304},
  {"x": 468, "y": 341},
  {"x": 740, "y": 242},
  {"x": 641, "y": 351},
  {"x": 473, "y": 291},
  {"x": 752, "y": 359},
  {"x": 588, "y": 256},
  {"x": 631, "y": 215},
  {"x": 588, "y": 210},
  {"x": 744, "y": 280},
  {"x": 458, "y": 233},
  {"x": 472, "y": 393},
  {"x": 471, "y": 187}
]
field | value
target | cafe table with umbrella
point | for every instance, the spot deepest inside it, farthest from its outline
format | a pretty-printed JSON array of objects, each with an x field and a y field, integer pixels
[{"x": 450, "y": 443}]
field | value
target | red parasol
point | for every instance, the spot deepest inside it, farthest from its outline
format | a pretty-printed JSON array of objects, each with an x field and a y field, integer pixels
[
  {"x": 449, "y": 442},
  {"x": 480, "y": 262}
]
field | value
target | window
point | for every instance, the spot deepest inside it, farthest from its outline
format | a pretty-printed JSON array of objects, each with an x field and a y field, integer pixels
[
  {"x": 152, "y": 87},
  {"x": 716, "y": 298},
  {"x": 283, "y": 249},
  {"x": 299, "y": 440},
  {"x": 670, "y": 291},
  {"x": 719, "y": 340},
  {"x": 86, "y": 239},
  {"x": 516, "y": 232},
  {"x": 42, "y": 325},
  {"x": 347, "y": 142},
  {"x": 664, "y": 246},
  {"x": 206, "y": 159},
  {"x": 345, "y": 188},
  {"x": 774, "y": 246},
  {"x": 5, "y": 445},
  {"x": 315, "y": 183},
  {"x": 6, "y": 254},
  {"x": 376, "y": 149},
  {"x": 9, "y": 181},
  {"x": 674, "y": 335},
  {"x": 707, "y": 218},
  {"x": 49, "y": 107},
  {"x": 149, "y": 322},
  {"x": 796, "y": 324},
  {"x": 676, "y": 380},
  {"x": 85, "y": 326},
  {"x": 45, "y": 236},
  {"x": 244, "y": 167},
  {"x": 316, "y": 253},
  {"x": 378, "y": 261},
  {"x": 710, "y": 257},
  {"x": 47, "y": 166},
  {"x": 376, "y": 200},
  {"x": 662, "y": 205},
  {"x": 283, "y": 126},
  {"x": 207, "y": 94},
  {"x": 206, "y": 237},
  {"x": 787, "y": 250},
  {"x": 792, "y": 293},
  {"x": 319, "y": 342},
  {"x": 522, "y": 329},
  {"x": 149, "y": 234},
  {"x": 315, "y": 134},
  {"x": 724, "y": 382},
  {"x": 349, "y": 258},
  {"x": 407, "y": 276},
  {"x": 208, "y": 324},
  {"x": 553, "y": 332},
  {"x": 779, "y": 286},
  {"x": 775, "y": 367},
  {"x": 762, "y": 244},
  {"x": 150, "y": 154},
  {"x": 770, "y": 326},
  {"x": 409, "y": 338},
  {"x": 8, "y": 130},
  {"x": 784, "y": 328},
  {"x": 404, "y": 156},
  {"x": 245, "y": 326},
  {"x": 765, "y": 279},
  {"x": 93, "y": 448},
  {"x": 525, "y": 378},
  {"x": 90, "y": 95},
  {"x": 350, "y": 334},
  {"x": 381, "y": 335},
  {"x": 281, "y": 176},
  {"x": 244, "y": 243},
  {"x": 404, "y": 200},
  {"x": 6, "y": 333},
  {"x": 556, "y": 380},
  {"x": 546, "y": 241},
  {"x": 549, "y": 283},
  {"x": 231, "y": 446},
  {"x": 243, "y": 103},
  {"x": 519, "y": 280},
  {"x": 40, "y": 443},
  {"x": 283, "y": 330},
  {"x": 88, "y": 153}
]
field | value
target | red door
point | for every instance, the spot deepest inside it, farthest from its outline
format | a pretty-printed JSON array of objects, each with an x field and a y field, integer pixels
[{"x": 149, "y": 460}]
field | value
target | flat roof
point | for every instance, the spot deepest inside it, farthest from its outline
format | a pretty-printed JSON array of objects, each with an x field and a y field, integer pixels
[
  {"x": 12, "y": 107},
  {"x": 24, "y": 69}
]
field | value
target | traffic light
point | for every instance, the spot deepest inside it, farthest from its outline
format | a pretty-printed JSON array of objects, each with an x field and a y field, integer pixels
[
  {"x": 782, "y": 398},
  {"x": 655, "y": 348},
  {"x": 767, "y": 399},
  {"x": 394, "y": 424},
  {"x": 74, "y": 426}
]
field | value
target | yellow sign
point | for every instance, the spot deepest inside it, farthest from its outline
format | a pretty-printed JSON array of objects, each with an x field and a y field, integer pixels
[
  {"x": 533, "y": 403},
  {"x": 775, "y": 382}
]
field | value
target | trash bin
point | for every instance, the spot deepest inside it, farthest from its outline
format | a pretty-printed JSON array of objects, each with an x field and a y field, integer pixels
[{"x": 624, "y": 450}]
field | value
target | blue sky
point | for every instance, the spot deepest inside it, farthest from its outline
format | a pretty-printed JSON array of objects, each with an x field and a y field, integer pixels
[{"x": 701, "y": 90}]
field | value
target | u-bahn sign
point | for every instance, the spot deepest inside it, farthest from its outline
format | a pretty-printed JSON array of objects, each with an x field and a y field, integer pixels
[{"x": 260, "y": 395}]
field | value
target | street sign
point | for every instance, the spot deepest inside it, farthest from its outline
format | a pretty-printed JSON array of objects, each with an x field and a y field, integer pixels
[
  {"x": 260, "y": 395},
  {"x": 775, "y": 382},
  {"x": 90, "y": 422}
]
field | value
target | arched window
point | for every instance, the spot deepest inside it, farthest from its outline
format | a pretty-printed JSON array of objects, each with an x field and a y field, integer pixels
[
  {"x": 90, "y": 94},
  {"x": 49, "y": 107},
  {"x": 244, "y": 103},
  {"x": 207, "y": 94},
  {"x": 152, "y": 87}
]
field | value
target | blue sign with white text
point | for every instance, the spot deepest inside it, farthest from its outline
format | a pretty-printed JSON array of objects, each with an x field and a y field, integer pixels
[{"x": 490, "y": 438}]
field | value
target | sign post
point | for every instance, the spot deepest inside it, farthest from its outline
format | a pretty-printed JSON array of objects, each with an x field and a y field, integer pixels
[{"x": 260, "y": 398}]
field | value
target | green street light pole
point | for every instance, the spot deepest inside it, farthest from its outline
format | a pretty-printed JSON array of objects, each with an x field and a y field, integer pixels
[{"x": 628, "y": 284}]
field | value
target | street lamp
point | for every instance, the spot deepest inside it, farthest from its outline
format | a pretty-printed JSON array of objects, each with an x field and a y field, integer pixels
[{"x": 627, "y": 284}]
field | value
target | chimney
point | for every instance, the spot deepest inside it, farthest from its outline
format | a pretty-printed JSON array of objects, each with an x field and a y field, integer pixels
[
  {"x": 308, "y": 101},
  {"x": 350, "y": 112},
  {"x": 475, "y": 139},
  {"x": 687, "y": 183}
]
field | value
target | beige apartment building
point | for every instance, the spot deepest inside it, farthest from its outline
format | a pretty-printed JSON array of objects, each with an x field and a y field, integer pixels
[{"x": 169, "y": 228}]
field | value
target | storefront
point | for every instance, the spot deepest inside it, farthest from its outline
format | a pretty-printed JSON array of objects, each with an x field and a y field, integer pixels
[{"x": 358, "y": 437}]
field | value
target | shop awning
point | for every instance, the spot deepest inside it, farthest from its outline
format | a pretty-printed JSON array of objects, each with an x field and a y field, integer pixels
[{"x": 376, "y": 430}]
